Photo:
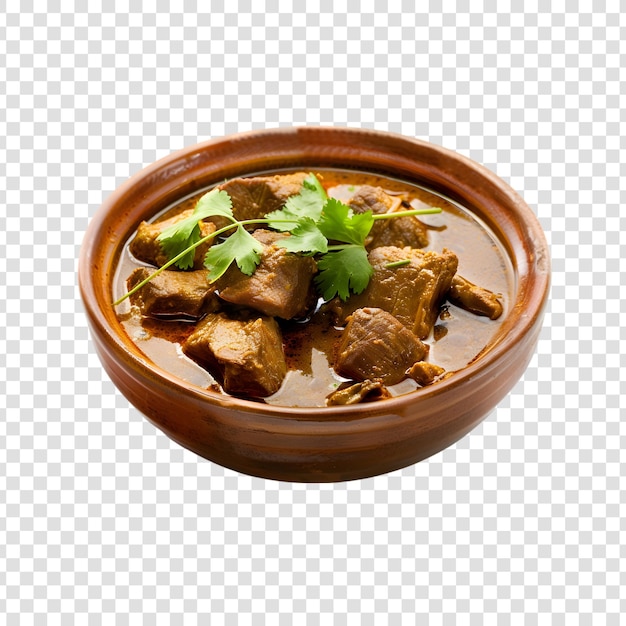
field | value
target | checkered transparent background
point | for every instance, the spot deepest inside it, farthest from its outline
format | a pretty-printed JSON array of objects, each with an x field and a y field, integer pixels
[{"x": 104, "y": 520}]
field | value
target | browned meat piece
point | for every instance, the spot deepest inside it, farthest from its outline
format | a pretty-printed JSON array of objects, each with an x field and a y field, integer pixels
[
  {"x": 400, "y": 232},
  {"x": 412, "y": 293},
  {"x": 374, "y": 199},
  {"x": 173, "y": 294},
  {"x": 148, "y": 249},
  {"x": 355, "y": 393},
  {"x": 474, "y": 299},
  {"x": 281, "y": 286},
  {"x": 245, "y": 355},
  {"x": 375, "y": 345},
  {"x": 424, "y": 373},
  {"x": 268, "y": 237},
  {"x": 255, "y": 197}
]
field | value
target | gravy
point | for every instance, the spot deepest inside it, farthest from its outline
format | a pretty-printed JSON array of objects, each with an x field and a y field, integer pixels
[{"x": 458, "y": 337}]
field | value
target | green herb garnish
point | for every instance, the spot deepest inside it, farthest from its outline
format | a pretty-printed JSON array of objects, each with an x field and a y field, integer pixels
[
  {"x": 241, "y": 247},
  {"x": 182, "y": 236},
  {"x": 318, "y": 226},
  {"x": 400, "y": 263},
  {"x": 309, "y": 202},
  {"x": 344, "y": 271}
]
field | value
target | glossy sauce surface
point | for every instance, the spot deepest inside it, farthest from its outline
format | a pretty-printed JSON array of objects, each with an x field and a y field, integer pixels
[{"x": 458, "y": 337}]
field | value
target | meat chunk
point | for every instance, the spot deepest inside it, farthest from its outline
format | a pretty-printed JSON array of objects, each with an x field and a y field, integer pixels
[
  {"x": 245, "y": 355},
  {"x": 257, "y": 196},
  {"x": 355, "y": 393},
  {"x": 425, "y": 373},
  {"x": 281, "y": 285},
  {"x": 375, "y": 345},
  {"x": 411, "y": 292},
  {"x": 400, "y": 232},
  {"x": 475, "y": 299},
  {"x": 173, "y": 294},
  {"x": 374, "y": 199},
  {"x": 147, "y": 248}
]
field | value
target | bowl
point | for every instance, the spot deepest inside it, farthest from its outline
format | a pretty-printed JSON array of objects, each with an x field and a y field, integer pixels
[{"x": 328, "y": 443}]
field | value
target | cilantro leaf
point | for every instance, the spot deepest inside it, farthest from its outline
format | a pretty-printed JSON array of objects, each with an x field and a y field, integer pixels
[
  {"x": 312, "y": 190},
  {"x": 339, "y": 223},
  {"x": 176, "y": 238},
  {"x": 215, "y": 202},
  {"x": 307, "y": 203},
  {"x": 343, "y": 271},
  {"x": 306, "y": 238},
  {"x": 240, "y": 247}
]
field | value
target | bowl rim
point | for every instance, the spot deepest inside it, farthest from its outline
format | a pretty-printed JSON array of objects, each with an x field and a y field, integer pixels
[{"x": 485, "y": 363}]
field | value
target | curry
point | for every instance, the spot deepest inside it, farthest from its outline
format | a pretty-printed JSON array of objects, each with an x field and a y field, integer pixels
[{"x": 437, "y": 291}]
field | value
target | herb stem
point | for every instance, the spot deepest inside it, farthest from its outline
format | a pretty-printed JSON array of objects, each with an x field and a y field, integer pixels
[
  {"x": 400, "y": 263},
  {"x": 163, "y": 267},
  {"x": 393, "y": 215},
  {"x": 172, "y": 261}
]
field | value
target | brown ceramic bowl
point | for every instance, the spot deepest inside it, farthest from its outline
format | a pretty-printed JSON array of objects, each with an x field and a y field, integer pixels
[{"x": 317, "y": 444}]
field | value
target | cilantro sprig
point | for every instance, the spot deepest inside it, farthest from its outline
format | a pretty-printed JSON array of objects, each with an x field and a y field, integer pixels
[
  {"x": 179, "y": 240},
  {"x": 317, "y": 226},
  {"x": 343, "y": 266}
]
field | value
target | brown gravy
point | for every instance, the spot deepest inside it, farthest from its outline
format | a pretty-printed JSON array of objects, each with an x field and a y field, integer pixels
[{"x": 458, "y": 337}]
